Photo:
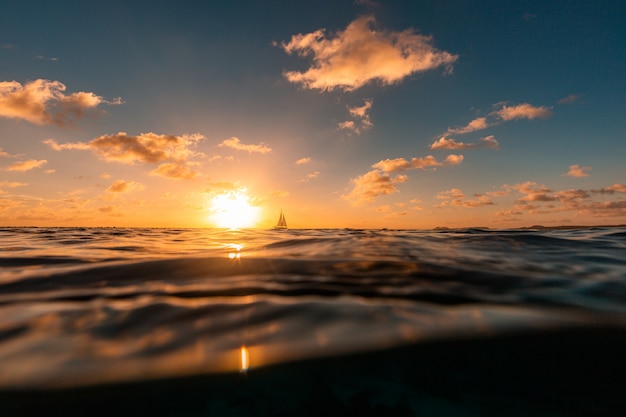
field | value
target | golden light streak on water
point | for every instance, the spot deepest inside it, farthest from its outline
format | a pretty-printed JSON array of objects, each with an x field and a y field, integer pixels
[{"x": 245, "y": 359}]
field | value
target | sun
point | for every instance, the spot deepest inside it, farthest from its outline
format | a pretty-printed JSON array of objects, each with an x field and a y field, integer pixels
[{"x": 232, "y": 210}]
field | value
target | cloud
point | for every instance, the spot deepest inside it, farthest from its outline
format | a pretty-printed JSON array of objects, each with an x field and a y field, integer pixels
[
  {"x": 569, "y": 99},
  {"x": 122, "y": 186},
  {"x": 523, "y": 111},
  {"x": 175, "y": 170},
  {"x": 455, "y": 197},
  {"x": 171, "y": 151},
  {"x": 310, "y": 176},
  {"x": 303, "y": 161},
  {"x": 401, "y": 164},
  {"x": 577, "y": 171},
  {"x": 378, "y": 181},
  {"x": 44, "y": 102},
  {"x": 5, "y": 154},
  {"x": 235, "y": 143},
  {"x": 361, "y": 114},
  {"x": 373, "y": 184},
  {"x": 26, "y": 165},
  {"x": 534, "y": 192},
  {"x": 451, "y": 144},
  {"x": 479, "y": 123},
  {"x": 12, "y": 184},
  {"x": 361, "y": 54},
  {"x": 615, "y": 188}
]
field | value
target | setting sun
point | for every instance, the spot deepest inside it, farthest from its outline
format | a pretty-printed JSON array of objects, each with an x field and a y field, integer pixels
[{"x": 232, "y": 209}]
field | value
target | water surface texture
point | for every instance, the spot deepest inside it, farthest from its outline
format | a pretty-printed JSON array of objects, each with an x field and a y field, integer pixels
[{"x": 89, "y": 307}]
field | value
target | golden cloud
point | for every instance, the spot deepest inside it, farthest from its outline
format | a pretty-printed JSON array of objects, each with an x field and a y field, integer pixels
[
  {"x": 401, "y": 164},
  {"x": 523, "y": 111},
  {"x": 451, "y": 144},
  {"x": 479, "y": 123},
  {"x": 373, "y": 184},
  {"x": 361, "y": 114},
  {"x": 577, "y": 171},
  {"x": 235, "y": 143},
  {"x": 45, "y": 102},
  {"x": 26, "y": 165},
  {"x": 361, "y": 54},
  {"x": 122, "y": 186}
]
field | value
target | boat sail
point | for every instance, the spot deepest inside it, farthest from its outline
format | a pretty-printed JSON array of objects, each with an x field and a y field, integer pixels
[{"x": 282, "y": 224}]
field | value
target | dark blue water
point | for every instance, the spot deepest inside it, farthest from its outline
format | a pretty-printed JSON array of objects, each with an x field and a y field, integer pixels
[{"x": 337, "y": 322}]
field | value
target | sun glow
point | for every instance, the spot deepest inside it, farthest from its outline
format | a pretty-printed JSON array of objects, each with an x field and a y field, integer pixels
[{"x": 232, "y": 209}]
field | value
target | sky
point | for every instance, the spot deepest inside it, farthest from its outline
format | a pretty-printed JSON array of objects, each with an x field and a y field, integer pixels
[{"x": 342, "y": 113}]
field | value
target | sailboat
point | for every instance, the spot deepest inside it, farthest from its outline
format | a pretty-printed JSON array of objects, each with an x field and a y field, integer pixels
[{"x": 282, "y": 224}]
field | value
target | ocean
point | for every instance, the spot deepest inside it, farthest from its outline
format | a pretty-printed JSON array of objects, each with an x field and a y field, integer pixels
[{"x": 331, "y": 322}]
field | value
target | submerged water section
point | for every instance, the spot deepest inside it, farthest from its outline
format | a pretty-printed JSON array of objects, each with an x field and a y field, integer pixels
[{"x": 89, "y": 306}]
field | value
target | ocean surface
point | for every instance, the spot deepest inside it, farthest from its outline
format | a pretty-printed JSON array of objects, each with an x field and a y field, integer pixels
[{"x": 467, "y": 322}]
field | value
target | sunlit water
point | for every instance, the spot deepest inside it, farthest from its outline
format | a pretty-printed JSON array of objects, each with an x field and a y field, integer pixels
[{"x": 84, "y": 307}]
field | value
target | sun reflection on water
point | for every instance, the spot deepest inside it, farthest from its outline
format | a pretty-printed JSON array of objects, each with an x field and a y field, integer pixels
[{"x": 245, "y": 360}]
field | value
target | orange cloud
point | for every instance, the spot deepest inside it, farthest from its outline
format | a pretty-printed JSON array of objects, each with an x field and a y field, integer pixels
[
  {"x": 44, "y": 102},
  {"x": 303, "y": 161},
  {"x": 361, "y": 54},
  {"x": 577, "y": 171},
  {"x": 479, "y": 123},
  {"x": 26, "y": 165},
  {"x": 12, "y": 184},
  {"x": 523, "y": 111},
  {"x": 451, "y": 144},
  {"x": 122, "y": 186},
  {"x": 175, "y": 170},
  {"x": 401, "y": 164},
  {"x": 615, "y": 188},
  {"x": 235, "y": 143},
  {"x": 361, "y": 114},
  {"x": 455, "y": 197},
  {"x": 373, "y": 184},
  {"x": 170, "y": 150},
  {"x": 378, "y": 181}
]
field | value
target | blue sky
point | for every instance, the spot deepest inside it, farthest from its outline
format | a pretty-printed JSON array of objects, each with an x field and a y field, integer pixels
[{"x": 396, "y": 114}]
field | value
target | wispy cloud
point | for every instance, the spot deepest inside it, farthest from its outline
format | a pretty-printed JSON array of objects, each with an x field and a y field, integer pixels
[
  {"x": 12, "y": 184},
  {"x": 123, "y": 186},
  {"x": 455, "y": 197},
  {"x": 523, "y": 111},
  {"x": 577, "y": 171},
  {"x": 45, "y": 102},
  {"x": 310, "y": 176},
  {"x": 361, "y": 54},
  {"x": 303, "y": 161},
  {"x": 451, "y": 144},
  {"x": 171, "y": 151},
  {"x": 401, "y": 164},
  {"x": 504, "y": 113},
  {"x": 479, "y": 123},
  {"x": 361, "y": 117},
  {"x": 26, "y": 165},
  {"x": 539, "y": 199},
  {"x": 43, "y": 58},
  {"x": 569, "y": 99},
  {"x": 612, "y": 189},
  {"x": 235, "y": 143}
]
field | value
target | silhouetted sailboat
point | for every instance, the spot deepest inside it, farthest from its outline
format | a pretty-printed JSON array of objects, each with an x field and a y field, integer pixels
[{"x": 282, "y": 224}]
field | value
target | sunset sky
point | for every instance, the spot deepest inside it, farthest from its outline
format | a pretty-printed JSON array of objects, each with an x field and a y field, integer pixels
[{"x": 398, "y": 114}]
